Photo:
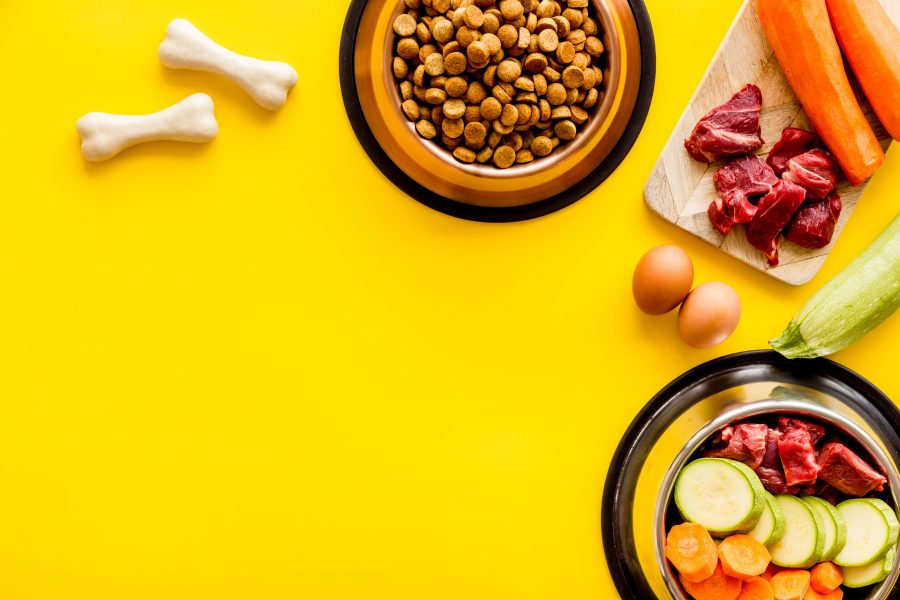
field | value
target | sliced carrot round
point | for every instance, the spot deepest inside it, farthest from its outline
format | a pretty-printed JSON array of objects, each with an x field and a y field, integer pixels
[
  {"x": 743, "y": 557},
  {"x": 825, "y": 577},
  {"x": 717, "y": 586},
  {"x": 756, "y": 589},
  {"x": 692, "y": 551}
]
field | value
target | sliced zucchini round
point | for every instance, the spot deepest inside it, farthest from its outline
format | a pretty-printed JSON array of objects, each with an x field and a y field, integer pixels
[
  {"x": 834, "y": 527},
  {"x": 723, "y": 495},
  {"x": 803, "y": 539},
  {"x": 871, "y": 529},
  {"x": 770, "y": 527},
  {"x": 857, "y": 577}
]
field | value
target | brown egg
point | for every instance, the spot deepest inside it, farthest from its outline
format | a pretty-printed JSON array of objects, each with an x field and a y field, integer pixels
[
  {"x": 662, "y": 278},
  {"x": 709, "y": 315}
]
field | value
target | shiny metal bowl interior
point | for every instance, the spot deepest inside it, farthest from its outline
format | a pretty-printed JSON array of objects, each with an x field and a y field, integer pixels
[
  {"x": 433, "y": 166},
  {"x": 801, "y": 404}
]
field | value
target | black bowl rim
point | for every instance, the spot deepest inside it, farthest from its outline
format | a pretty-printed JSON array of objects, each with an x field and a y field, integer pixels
[
  {"x": 662, "y": 409},
  {"x": 486, "y": 214}
]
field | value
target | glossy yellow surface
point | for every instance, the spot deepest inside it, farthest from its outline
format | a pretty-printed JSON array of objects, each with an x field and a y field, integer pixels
[{"x": 256, "y": 370}]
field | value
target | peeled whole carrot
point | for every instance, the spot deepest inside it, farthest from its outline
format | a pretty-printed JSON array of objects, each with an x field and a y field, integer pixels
[
  {"x": 743, "y": 557},
  {"x": 790, "y": 584},
  {"x": 825, "y": 577},
  {"x": 718, "y": 586},
  {"x": 812, "y": 594},
  {"x": 691, "y": 550},
  {"x": 871, "y": 43},
  {"x": 757, "y": 589},
  {"x": 801, "y": 35}
]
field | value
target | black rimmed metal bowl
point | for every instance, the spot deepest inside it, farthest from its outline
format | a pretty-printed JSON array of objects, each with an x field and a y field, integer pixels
[
  {"x": 680, "y": 417},
  {"x": 481, "y": 192}
]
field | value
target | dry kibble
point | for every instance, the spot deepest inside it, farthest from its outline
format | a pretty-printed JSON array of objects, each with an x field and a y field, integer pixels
[
  {"x": 499, "y": 82},
  {"x": 504, "y": 157},
  {"x": 404, "y": 25}
]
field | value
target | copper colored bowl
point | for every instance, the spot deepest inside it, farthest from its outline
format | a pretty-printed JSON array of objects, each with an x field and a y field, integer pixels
[{"x": 429, "y": 172}]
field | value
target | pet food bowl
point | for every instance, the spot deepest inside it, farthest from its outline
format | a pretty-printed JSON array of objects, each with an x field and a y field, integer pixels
[
  {"x": 429, "y": 173},
  {"x": 637, "y": 508}
]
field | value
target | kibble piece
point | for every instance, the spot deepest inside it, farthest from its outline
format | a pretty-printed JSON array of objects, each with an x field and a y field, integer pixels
[
  {"x": 466, "y": 36},
  {"x": 404, "y": 25},
  {"x": 478, "y": 54},
  {"x": 426, "y": 129},
  {"x": 454, "y": 109},
  {"x": 577, "y": 38},
  {"x": 527, "y": 97},
  {"x": 491, "y": 23},
  {"x": 535, "y": 62},
  {"x": 552, "y": 74},
  {"x": 410, "y": 109},
  {"x": 545, "y": 110},
  {"x": 546, "y": 9},
  {"x": 540, "y": 84},
  {"x": 435, "y": 96},
  {"x": 509, "y": 116},
  {"x": 548, "y": 40},
  {"x": 492, "y": 43},
  {"x": 437, "y": 115},
  {"x": 434, "y": 64},
  {"x": 508, "y": 35},
  {"x": 524, "y": 39},
  {"x": 423, "y": 34},
  {"x": 572, "y": 96},
  {"x": 576, "y": 3},
  {"x": 511, "y": 9},
  {"x": 541, "y": 146},
  {"x": 451, "y": 47},
  {"x": 579, "y": 116},
  {"x": 444, "y": 31},
  {"x": 419, "y": 76},
  {"x": 485, "y": 155},
  {"x": 490, "y": 75},
  {"x": 443, "y": 6},
  {"x": 473, "y": 16},
  {"x": 475, "y": 134},
  {"x": 463, "y": 154},
  {"x": 456, "y": 87},
  {"x": 589, "y": 27},
  {"x": 400, "y": 68},
  {"x": 581, "y": 60},
  {"x": 565, "y": 53},
  {"x": 408, "y": 48},
  {"x": 513, "y": 140},
  {"x": 509, "y": 70},
  {"x": 501, "y": 94},
  {"x": 524, "y": 113},
  {"x": 562, "y": 26},
  {"x": 561, "y": 112},
  {"x": 572, "y": 77},
  {"x": 524, "y": 156},
  {"x": 524, "y": 83},
  {"x": 455, "y": 63},
  {"x": 449, "y": 142},
  {"x": 476, "y": 93},
  {"x": 593, "y": 46},
  {"x": 545, "y": 23},
  {"x": 500, "y": 128},
  {"x": 453, "y": 128},
  {"x": 406, "y": 90},
  {"x": 591, "y": 99},
  {"x": 575, "y": 17},
  {"x": 556, "y": 94},
  {"x": 590, "y": 79},
  {"x": 473, "y": 114},
  {"x": 491, "y": 109},
  {"x": 504, "y": 157},
  {"x": 412, "y": 4}
]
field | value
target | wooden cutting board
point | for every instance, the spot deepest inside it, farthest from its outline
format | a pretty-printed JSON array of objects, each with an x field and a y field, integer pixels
[{"x": 680, "y": 189}]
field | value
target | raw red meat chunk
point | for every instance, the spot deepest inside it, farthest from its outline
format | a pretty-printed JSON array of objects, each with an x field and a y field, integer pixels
[
  {"x": 793, "y": 142},
  {"x": 816, "y": 432},
  {"x": 798, "y": 456},
  {"x": 841, "y": 468},
  {"x": 729, "y": 130},
  {"x": 775, "y": 212},
  {"x": 815, "y": 171},
  {"x": 813, "y": 225},
  {"x": 747, "y": 444},
  {"x": 770, "y": 470},
  {"x": 737, "y": 182}
]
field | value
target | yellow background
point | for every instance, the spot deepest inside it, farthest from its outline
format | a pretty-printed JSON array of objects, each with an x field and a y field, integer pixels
[{"x": 256, "y": 370}]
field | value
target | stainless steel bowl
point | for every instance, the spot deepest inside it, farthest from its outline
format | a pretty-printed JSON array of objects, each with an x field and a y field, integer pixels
[
  {"x": 804, "y": 404},
  {"x": 681, "y": 416},
  {"x": 481, "y": 192}
]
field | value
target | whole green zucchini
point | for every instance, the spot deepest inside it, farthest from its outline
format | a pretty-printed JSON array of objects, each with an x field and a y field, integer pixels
[{"x": 849, "y": 306}]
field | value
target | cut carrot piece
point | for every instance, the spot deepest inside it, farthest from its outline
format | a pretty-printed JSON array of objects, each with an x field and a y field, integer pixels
[
  {"x": 771, "y": 571},
  {"x": 825, "y": 577},
  {"x": 790, "y": 584},
  {"x": 800, "y": 33},
  {"x": 812, "y": 594},
  {"x": 743, "y": 557},
  {"x": 692, "y": 551},
  {"x": 871, "y": 43},
  {"x": 756, "y": 589},
  {"x": 718, "y": 586}
]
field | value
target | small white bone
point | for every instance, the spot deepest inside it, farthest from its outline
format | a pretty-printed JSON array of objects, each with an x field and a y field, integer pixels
[
  {"x": 104, "y": 135},
  {"x": 186, "y": 47}
]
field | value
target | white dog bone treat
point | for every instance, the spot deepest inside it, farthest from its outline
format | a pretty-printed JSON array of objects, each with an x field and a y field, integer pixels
[
  {"x": 186, "y": 47},
  {"x": 104, "y": 135}
]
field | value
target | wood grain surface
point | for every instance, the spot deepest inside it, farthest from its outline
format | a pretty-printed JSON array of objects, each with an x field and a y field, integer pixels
[{"x": 680, "y": 189}]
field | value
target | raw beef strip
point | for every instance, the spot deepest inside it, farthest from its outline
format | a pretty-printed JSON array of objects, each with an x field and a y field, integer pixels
[
  {"x": 816, "y": 432},
  {"x": 770, "y": 471},
  {"x": 844, "y": 470},
  {"x": 815, "y": 171},
  {"x": 813, "y": 225},
  {"x": 737, "y": 181},
  {"x": 728, "y": 130},
  {"x": 793, "y": 142},
  {"x": 775, "y": 212},
  {"x": 747, "y": 444},
  {"x": 798, "y": 457}
]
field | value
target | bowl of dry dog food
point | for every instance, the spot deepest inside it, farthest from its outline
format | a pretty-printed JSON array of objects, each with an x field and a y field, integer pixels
[
  {"x": 754, "y": 476},
  {"x": 497, "y": 110}
]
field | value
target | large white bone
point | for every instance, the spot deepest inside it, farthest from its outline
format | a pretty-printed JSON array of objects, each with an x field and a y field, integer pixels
[
  {"x": 104, "y": 135},
  {"x": 186, "y": 47}
]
